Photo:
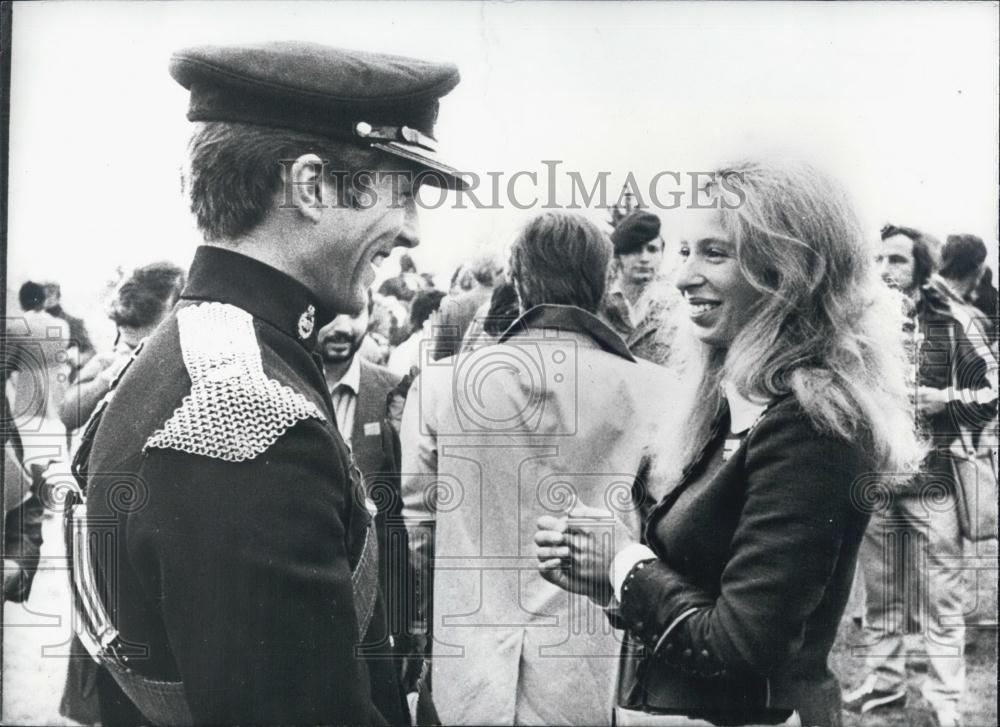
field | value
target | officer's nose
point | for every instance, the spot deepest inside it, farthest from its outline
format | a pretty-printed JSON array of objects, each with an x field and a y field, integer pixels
[{"x": 409, "y": 235}]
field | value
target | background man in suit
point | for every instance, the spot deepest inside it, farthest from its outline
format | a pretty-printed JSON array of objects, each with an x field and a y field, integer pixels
[{"x": 360, "y": 390}]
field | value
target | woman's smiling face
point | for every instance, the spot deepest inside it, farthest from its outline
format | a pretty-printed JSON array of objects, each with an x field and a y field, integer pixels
[{"x": 719, "y": 298}]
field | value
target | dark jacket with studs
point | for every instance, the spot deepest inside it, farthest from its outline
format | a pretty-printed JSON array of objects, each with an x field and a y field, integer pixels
[{"x": 754, "y": 568}]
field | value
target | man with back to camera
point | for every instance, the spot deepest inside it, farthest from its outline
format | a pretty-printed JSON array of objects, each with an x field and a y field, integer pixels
[
  {"x": 242, "y": 559},
  {"x": 557, "y": 412}
]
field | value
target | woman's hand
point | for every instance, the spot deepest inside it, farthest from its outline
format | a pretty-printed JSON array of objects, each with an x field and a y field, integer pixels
[{"x": 575, "y": 551}]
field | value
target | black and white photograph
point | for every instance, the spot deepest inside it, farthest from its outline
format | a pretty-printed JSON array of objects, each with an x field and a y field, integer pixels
[{"x": 499, "y": 363}]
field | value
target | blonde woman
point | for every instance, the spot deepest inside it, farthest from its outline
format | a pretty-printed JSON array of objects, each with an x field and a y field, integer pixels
[{"x": 733, "y": 605}]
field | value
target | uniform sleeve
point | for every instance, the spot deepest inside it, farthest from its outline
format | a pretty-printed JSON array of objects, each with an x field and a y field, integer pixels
[
  {"x": 249, "y": 564},
  {"x": 784, "y": 551}
]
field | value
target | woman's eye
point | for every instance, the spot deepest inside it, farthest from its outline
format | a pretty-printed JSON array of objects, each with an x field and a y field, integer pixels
[
  {"x": 684, "y": 252},
  {"x": 715, "y": 253}
]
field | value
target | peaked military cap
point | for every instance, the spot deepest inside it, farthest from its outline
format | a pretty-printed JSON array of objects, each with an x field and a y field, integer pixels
[{"x": 383, "y": 101}]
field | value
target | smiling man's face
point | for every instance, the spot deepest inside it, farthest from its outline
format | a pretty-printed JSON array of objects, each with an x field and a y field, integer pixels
[{"x": 354, "y": 240}]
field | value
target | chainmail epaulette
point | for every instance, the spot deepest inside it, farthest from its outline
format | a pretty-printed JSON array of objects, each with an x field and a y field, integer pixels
[{"x": 234, "y": 411}]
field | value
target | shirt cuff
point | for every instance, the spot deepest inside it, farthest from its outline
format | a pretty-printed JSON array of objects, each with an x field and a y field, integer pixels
[{"x": 624, "y": 562}]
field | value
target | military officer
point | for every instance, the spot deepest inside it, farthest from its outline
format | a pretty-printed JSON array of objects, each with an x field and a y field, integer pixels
[{"x": 239, "y": 575}]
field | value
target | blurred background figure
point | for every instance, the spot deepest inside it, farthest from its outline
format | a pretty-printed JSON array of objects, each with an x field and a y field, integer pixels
[
  {"x": 406, "y": 355},
  {"x": 37, "y": 363},
  {"x": 963, "y": 262},
  {"x": 963, "y": 269},
  {"x": 21, "y": 525},
  {"x": 493, "y": 318},
  {"x": 80, "y": 350},
  {"x": 35, "y": 372},
  {"x": 916, "y": 586},
  {"x": 407, "y": 283},
  {"x": 459, "y": 309},
  {"x": 462, "y": 280},
  {"x": 986, "y": 298},
  {"x": 388, "y": 326},
  {"x": 140, "y": 303},
  {"x": 639, "y": 301}
]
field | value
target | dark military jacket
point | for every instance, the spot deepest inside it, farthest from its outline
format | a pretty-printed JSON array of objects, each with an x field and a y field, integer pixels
[{"x": 232, "y": 514}]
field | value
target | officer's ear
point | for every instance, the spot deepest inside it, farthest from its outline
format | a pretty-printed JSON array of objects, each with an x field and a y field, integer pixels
[{"x": 304, "y": 187}]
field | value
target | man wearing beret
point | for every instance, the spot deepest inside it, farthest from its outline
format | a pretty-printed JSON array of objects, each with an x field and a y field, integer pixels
[
  {"x": 638, "y": 302},
  {"x": 238, "y": 572}
]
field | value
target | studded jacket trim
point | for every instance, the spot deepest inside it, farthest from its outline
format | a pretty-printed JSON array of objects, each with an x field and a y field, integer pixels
[{"x": 234, "y": 411}]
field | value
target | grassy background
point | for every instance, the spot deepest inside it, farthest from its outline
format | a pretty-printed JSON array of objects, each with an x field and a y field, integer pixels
[{"x": 979, "y": 707}]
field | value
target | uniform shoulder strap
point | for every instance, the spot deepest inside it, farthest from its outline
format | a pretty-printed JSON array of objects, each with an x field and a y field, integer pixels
[{"x": 234, "y": 412}]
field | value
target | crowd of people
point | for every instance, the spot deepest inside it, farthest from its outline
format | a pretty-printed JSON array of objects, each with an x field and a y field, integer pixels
[{"x": 581, "y": 485}]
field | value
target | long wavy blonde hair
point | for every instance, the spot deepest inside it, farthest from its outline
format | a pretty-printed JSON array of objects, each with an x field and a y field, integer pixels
[{"x": 826, "y": 328}]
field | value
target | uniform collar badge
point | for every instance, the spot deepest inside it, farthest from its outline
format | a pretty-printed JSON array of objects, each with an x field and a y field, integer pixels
[{"x": 306, "y": 322}]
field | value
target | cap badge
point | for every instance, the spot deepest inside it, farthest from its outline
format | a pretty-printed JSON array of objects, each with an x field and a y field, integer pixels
[{"x": 306, "y": 322}]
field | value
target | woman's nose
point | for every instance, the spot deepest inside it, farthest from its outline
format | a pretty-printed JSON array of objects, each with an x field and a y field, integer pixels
[{"x": 688, "y": 276}]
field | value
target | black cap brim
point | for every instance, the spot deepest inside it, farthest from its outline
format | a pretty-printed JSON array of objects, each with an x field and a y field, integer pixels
[{"x": 434, "y": 172}]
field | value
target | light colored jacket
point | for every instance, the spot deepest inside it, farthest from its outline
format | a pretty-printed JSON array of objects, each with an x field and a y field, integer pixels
[{"x": 557, "y": 412}]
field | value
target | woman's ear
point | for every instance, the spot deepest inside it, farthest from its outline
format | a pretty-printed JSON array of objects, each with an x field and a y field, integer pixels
[{"x": 304, "y": 187}]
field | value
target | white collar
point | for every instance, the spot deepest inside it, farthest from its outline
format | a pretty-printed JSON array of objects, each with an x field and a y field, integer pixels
[
  {"x": 352, "y": 377},
  {"x": 743, "y": 413}
]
